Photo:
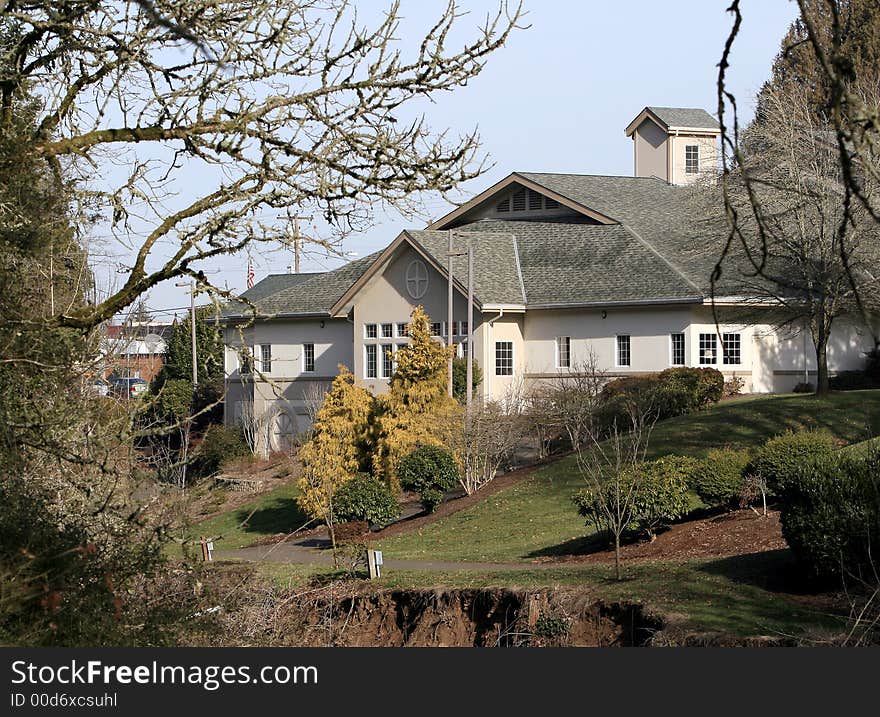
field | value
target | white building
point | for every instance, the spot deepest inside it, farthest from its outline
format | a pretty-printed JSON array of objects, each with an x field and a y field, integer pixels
[{"x": 565, "y": 265}]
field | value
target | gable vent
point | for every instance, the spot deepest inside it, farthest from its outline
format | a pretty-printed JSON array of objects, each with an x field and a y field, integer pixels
[
  {"x": 504, "y": 205},
  {"x": 550, "y": 203},
  {"x": 535, "y": 200},
  {"x": 519, "y": 201}
]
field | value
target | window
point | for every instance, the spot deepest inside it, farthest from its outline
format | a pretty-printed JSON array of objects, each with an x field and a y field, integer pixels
[
  {"x": 369, "y": 331},
  {"x": 462, "y": 350},
  {"x": 623, "y": 352},
  {"x": 309, "y": 358},
  {"x": 436, "y": 329},
  {"x": 265, "y": 358},
  {"x": 462, "y": 328},
  {"x": 387, "y": 331},
  {"x": 401, "y": 330},
  {"x": 387, "y": 360},
  {"x": 563, "y": 352},
  {"x": 692, "y": 158},
  {"x": 504, "y": 358},
  {"x": 370, "y": 364},
  {"x": 731, "y": 345},
  {"x": 708, "y": 349},
  {"x": 677, "y": 349},
  {"x": 245, "y": 360}
]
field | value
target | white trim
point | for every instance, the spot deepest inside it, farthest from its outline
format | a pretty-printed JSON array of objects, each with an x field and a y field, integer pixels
[
  {"x": 672, "y": 348},
  {"x": 512, "y": 357},
  {"x": 556, "y": 350},
  {"x": 617, "y": 363},
  {"x": 303, "y": 357}
]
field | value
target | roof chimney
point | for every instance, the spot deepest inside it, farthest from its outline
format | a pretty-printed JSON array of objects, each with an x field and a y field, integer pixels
[{"x": 675, "y": 144}]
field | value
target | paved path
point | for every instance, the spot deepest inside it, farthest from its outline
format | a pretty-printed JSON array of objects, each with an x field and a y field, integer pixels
[{"x": 299, "y": 555}]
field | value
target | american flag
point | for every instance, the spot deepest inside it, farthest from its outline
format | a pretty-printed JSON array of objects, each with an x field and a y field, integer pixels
[{"x": 250, "y": 274}]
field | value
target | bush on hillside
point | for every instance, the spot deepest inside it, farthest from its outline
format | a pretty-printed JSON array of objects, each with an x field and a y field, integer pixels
[
  {"x": 780, "y": 458},
  {"x": 659, "y": 491},
  {"x": 831, "y": 516},
  {"x": 220, "y": 444},
  {"x": 803, "y": 387},
  {"x": 852, "y": 381},
  {"x": 684, "y": 389},
  {"x": 662, "y": 493},
  {"x": 718, "y": 478},
  {"x": 431, "y": 472},
  {"x": 365, "y": 498}
]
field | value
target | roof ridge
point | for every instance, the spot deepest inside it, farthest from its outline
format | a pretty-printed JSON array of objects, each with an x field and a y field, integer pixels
[
  {"x": 522, "y": 284},
  {"x": 598, "y": 176},
  {"x": 662, "y": 258}
]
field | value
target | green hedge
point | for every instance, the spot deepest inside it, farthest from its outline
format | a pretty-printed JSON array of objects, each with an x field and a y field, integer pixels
[
  {"x": 830, "y": 516},
  {"x": 431, "y": 472},
  {"x": 780, "y": 457},
  {"x": 659, "y": 496},
  {"x": 718, "y": 478},
  {"x": 365, "y": 498},
  {"x": 219, "y": 445},
  {"x": 673, "y": 392}
]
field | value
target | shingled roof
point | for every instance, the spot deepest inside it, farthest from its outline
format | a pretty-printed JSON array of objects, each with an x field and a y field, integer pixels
[
  {"x": 685, "y": 117},
  {"x": 300, "y": 294},
  {"x": 650, "y": 252}
]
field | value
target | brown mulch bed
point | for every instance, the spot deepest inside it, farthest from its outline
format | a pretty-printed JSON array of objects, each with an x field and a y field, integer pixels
[
  {"x": 465, "y": 501},
  {"x": 741, "y": 532}
]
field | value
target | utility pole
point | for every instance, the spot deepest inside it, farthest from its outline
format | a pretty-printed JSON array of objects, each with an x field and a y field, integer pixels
[
  {"x": 294, "y": 220},
  {"x": 470, "y": 325},
  {"x": 192, "y": 326},
  {"x": 449, "y": 343},
  {"x": 469, "y": 389}
]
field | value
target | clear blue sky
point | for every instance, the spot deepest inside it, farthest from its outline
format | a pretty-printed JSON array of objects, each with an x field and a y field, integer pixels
[{"x": 558, "y": 97}]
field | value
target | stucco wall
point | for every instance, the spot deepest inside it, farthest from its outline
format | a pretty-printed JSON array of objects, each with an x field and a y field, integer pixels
[
  {"x": 708, "y": 158},
  {"x": 508, "y": 327},
  {"x": 649, "y": 150},
  {"x": 385, "y": 299}
]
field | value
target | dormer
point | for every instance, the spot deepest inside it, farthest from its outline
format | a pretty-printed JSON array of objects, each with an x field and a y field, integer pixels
[{"x": 676, "y": 144}]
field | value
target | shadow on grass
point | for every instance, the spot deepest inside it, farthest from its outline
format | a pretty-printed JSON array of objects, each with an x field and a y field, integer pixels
[
  {"x": 773, "y": 570},
  {"x": 584, "y": 545},
  {"x": 281, "y": 515}
]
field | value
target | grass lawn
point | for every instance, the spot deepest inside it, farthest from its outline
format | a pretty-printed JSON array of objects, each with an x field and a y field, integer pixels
[
  {"x": 536, "y": 517},
  {"x": 728, "y": 595},
  {"x": 272, "y": 512}
]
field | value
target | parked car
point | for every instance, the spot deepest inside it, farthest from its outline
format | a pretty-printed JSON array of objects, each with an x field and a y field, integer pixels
[
  {"x": 127, "y": 387},
  {"x": 98, "y": 386}
]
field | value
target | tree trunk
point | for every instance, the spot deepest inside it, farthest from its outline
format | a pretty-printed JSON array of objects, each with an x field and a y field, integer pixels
[
  {"x": 617, "y": 556},
  {"x": 822, "y": 386}
]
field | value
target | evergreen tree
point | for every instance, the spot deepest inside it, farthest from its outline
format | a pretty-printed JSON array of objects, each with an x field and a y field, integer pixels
[
  {"x": 335, "y": 452},
  {"x": 417, "y": 409}
]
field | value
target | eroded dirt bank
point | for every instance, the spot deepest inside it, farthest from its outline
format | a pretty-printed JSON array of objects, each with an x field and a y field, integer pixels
[{"x": 476, "y": 618}]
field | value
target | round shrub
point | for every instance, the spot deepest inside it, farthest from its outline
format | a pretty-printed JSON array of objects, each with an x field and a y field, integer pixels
[
  {"x": 684, "y": 389},
  {"x": 365, "y": 498},
  {"x": 718, "y": 479},
  {"x": 830, "y": 516},
  {"x": 780, "y": 457},
  {"x": 661, "y": 495},
  {"x": 431, "y": 472},
  {"x": 219, "y": 445}
]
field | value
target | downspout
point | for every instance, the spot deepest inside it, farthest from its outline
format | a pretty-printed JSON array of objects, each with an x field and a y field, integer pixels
[{"x": 487, "y": 352}]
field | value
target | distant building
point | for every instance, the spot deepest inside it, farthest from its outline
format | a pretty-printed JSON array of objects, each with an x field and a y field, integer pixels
[
  {"x": 135, "y": 350},
  {"x": 566, "y": 265}
]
